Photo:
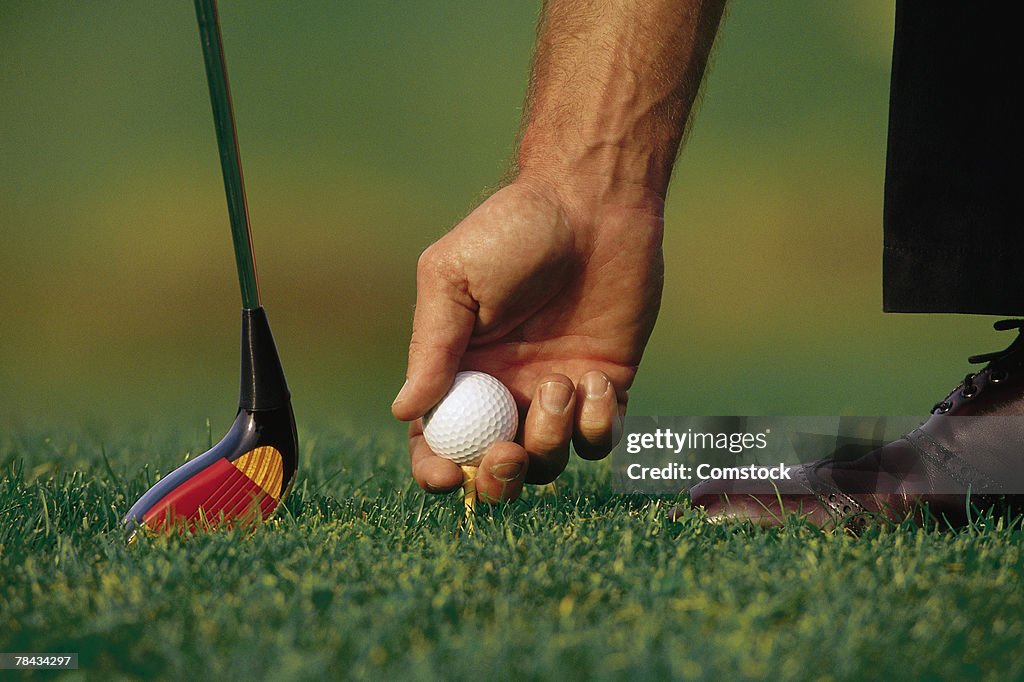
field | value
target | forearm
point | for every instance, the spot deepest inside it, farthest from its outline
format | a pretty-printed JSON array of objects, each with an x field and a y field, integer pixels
[{"x": 612, "y": 87}]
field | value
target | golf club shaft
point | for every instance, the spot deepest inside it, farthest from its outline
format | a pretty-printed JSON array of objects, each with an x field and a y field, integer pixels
[{"x": 227, "y": 142}]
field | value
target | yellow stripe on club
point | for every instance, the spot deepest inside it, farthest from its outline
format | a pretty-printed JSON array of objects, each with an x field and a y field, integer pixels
[{"x": 264, "y": 466}]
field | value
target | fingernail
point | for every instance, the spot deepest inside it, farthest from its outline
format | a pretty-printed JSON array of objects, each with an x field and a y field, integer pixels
[
  {"x": 595, "y": 385},
  {"x": 401, "y": 394},
  {"x": 507, "y": 471},
  {"x": 555, "y": 397}
]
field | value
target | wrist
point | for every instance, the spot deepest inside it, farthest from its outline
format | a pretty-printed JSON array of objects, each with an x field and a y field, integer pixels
[
  {"x": 594, "y": 175},
  {"x": 590, "y": 217}
]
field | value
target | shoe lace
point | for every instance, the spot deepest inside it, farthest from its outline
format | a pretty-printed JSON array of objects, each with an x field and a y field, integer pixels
[{"x": 994, "y": 359}]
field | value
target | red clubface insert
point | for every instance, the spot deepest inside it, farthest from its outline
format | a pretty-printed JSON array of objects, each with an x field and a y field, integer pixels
[{"x": 223, "y": 493}]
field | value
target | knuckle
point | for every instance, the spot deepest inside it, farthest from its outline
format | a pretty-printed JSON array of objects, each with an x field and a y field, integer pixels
[
  {"x": 420, "y": 348},
  {"x": 426, "y": 260},
  {"x": 437, "y": 264},
  {"x": 547, "y": 443},
  {"x": 594, "y": 429},
  {"x": 442, "y": 273}
]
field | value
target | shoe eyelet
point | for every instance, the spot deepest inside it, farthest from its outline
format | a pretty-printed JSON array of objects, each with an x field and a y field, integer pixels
[
  {"x": 846, "y": 509},
  {"x": 997, "y": 376},
  {"x": 944, "y": 407},
  {"x": 968, "y": 394},
  {"x": 832, "y": 497}
]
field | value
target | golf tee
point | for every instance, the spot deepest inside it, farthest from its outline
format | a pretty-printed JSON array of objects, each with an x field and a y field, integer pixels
[{"x": 469, "y": 494}]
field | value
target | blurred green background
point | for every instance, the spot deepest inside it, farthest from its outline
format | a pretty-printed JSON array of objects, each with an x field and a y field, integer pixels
[{"x": 367, "y": 129}]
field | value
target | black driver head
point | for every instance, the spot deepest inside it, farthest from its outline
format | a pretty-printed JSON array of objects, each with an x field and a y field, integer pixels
[{"x": 246, "y": 476}]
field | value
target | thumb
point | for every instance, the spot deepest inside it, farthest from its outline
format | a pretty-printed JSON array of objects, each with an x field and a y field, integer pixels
[{"x": 441, "y": 327}]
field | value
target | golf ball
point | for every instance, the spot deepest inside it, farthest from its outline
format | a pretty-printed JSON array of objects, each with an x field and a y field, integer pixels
[{"x": 477, "y": 412}]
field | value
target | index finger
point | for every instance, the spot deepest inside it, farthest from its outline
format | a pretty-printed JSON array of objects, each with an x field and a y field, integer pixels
[{"x": 442, "y": 324}]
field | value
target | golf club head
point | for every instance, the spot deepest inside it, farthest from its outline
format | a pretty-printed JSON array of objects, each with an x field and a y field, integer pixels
[{"x": 243, "y": 478}]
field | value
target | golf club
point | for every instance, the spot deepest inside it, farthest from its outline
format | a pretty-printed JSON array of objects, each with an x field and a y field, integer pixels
[{"x": 244, "y": 477}]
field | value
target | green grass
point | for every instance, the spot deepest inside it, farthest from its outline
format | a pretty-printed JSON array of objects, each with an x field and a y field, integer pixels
[{"x": 364, "y": 576}]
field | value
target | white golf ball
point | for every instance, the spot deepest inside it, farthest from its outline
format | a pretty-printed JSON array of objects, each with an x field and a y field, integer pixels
[{"x": 477, "y": 412}]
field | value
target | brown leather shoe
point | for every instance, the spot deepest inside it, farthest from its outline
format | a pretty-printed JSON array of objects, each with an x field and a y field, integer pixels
[{"x": 967, "y": 456}]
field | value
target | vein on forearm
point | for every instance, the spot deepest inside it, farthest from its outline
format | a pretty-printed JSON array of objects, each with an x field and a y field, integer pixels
[{"x": 612, "y": 86}]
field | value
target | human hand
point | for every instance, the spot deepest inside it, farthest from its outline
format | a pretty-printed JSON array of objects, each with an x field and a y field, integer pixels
[{"x": 554, "y": 295}]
